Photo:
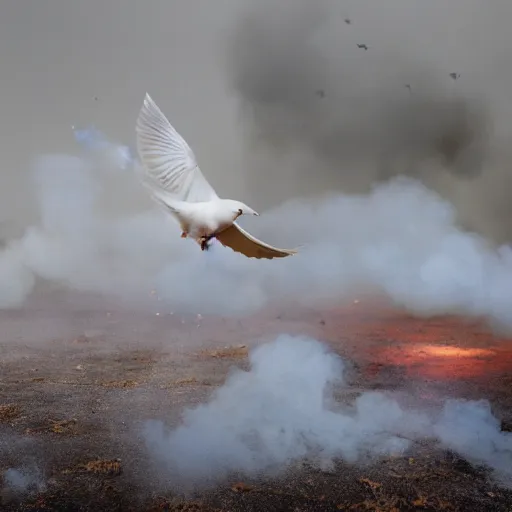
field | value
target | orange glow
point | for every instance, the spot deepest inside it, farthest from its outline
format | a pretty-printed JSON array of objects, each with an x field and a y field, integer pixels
[
  {"x": 443, "y": 362},
  {"x": 440, "y": 348},
  {"x": 449, "y": 351}
]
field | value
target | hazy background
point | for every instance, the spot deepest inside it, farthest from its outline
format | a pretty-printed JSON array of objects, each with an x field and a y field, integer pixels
[
  {"x": 279, "y": 103},
  {"x": 239, "y": 78}
]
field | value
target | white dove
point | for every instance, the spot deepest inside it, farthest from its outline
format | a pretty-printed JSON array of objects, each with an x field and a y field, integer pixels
[{"x": 174, "y": 180}]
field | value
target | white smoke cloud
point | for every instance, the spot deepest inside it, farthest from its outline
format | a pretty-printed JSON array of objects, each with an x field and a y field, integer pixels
[
  {"x": 401, "y": 239},
  {"x": 283, "y": 410},
  {"x": 23, "y": 480}
]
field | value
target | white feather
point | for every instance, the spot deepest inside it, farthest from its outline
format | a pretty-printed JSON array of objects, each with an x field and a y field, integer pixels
[{"x": 168, "y": 159}]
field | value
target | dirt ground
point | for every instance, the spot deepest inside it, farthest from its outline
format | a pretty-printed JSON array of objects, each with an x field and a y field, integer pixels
[{"x": 79, "y": 375}]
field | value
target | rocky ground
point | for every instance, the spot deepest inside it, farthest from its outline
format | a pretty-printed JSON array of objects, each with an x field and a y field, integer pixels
[{"x": 79, "y": 376}]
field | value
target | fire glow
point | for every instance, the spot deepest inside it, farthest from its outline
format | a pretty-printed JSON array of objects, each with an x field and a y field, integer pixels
[
  {"x": 444, "y": 362},
  {"x": 448, "y": 351},
  {"x": 439, "y": 348}
]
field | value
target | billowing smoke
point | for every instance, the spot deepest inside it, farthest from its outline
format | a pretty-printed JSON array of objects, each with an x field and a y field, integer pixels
[
  {"x": 283, "y": 410},
  {"x": 20, "y": 474},
  {"x": 401, "y": 239},
  {"x": 22, "y": 481}
]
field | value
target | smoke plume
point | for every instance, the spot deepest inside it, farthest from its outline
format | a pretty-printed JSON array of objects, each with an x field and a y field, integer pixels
[
  {"x": 324, "y": 114},
  {"x": 283, "y": 410},
  {"x": 401, "y": 239}
]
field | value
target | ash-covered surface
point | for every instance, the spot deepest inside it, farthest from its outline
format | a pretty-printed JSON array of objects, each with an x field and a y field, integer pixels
[{"x": 80, "y": 378}]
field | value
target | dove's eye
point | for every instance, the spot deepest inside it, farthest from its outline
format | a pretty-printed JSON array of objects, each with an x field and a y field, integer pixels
[{"x": 240, "y": 211}]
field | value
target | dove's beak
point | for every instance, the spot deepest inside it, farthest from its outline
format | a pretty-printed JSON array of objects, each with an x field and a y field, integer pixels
[{"x": 256, "y": 213}]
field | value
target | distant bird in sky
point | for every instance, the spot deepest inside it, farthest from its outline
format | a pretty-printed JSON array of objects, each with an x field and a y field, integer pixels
[
  {"x": 363, "y": 46},
  {"x": 455, "y": 75},
  {"x": 408, "y": 86},
  {"x": 348, "y": 21},
  {"x": 174, "y": 180},
  {"x": 320, "y": 93}
]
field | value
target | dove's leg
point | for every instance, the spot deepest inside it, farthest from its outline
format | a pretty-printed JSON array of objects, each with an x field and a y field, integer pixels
[
  {"x": 204, "y": 242},
  {"x": 206, "y": 238}
]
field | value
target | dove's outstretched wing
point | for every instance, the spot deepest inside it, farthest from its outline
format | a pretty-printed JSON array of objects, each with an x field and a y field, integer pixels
[
  {"x": 241, "y": 241},
  {"x": 169, "y": 161}
]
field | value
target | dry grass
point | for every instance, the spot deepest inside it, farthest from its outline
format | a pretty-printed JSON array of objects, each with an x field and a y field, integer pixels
[
  {"x": 186, "y": 381},
  {"x": 120, "y": 384},
  {"x": 9, "y": 412},
  {"x": 63, "y": 427},
  {"x": 378, "y": 500},
  {"x": 242, "y": 487},
  {"x": 69, "y": 427},
  {"x": 181, "y": 506},
  {"x": 238, "y": 352},
  {"x": 396, "y": 504},
  {"x": 102, "y": 467},
  {"x": 392, "y": 505},
  {"x": 372, "y": 485},
  {"x": 189, "y": 381}
]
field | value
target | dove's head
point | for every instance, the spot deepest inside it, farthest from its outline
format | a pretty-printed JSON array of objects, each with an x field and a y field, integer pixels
[{"x": 240, "y": 208}]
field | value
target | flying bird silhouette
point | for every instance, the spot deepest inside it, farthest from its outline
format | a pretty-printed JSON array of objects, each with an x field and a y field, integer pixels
[
  {"x": 175, "y": 181},
  {"x": 363, "y": 46},
  {"x": 455, "y": 75},
  {"x": 348, "y": 21}
]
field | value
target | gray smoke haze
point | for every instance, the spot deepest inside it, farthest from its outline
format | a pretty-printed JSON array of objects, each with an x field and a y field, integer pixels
[
  {"x": 401, "y": 239},
  {"x": 283, "y": 411},
  {"x": 324, "y": 114}
]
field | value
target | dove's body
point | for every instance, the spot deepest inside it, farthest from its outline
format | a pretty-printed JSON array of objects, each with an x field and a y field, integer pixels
[
  {"x": 174, "y": 180},
  {"x": 206, "y": 219},
  {"x": 202, "y": 219}
]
